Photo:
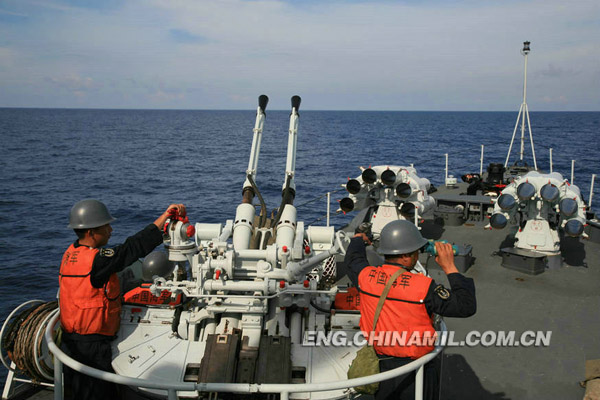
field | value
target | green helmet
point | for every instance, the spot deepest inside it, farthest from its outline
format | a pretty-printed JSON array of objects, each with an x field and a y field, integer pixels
[
  {"x": 400, "y": 237},
  {"x": 156, "y": 264},
  {"x": 89, "y": 213}
]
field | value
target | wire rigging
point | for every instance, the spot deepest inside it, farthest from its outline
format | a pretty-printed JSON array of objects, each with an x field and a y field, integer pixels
[{"x": 19, "y": 341}]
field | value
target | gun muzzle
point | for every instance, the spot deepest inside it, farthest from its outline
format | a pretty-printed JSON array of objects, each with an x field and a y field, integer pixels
[{"x": 263, "y": 99}]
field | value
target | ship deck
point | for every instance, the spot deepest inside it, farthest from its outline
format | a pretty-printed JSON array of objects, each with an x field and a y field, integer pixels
[{"x": 564, "y": 301}]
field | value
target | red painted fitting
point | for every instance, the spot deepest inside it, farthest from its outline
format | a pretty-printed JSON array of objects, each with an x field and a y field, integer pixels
[
  {"x": 217, "y": 274},
  {"x": 281, "y": 284},
  {"x": 307, "y": 249},
  {"x": 190, "y": 231},
  {"x": 306, "y": 283},
  {"x": 284, "y": 249}
]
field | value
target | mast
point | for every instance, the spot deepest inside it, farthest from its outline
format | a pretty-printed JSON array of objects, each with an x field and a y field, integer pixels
[{"x": 523, "y": 112}]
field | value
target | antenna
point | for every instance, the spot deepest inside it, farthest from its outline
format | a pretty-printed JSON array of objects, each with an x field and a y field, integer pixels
[{"x": 523, "y": 111}]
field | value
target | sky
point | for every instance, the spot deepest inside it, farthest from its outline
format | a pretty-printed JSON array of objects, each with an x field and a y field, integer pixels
[{"x": 451, "y": 55}]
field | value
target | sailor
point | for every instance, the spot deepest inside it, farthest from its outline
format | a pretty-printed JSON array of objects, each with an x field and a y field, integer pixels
[
  {"x": 410, "y": 304},
  {"x": 89, "y": 296}
]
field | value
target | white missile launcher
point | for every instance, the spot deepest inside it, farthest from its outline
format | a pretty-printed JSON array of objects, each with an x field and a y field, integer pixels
[
  {"x": 541, "y": 206},
  {"x": 386, "y": 193}
]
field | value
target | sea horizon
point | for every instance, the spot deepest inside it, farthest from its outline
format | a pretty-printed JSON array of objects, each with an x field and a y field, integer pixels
[{"x": 283, "y": 109}]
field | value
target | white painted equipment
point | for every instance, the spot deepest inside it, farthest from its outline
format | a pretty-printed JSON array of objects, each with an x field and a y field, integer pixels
[
  {"x": 540, "y": 204},
  {"x": 387, "y": 193},
  {"x": 250, "y": 291}
]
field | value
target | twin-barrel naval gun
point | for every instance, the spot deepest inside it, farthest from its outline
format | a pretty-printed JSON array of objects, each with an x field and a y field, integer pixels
[
  {"x": 540, "y": 205},
  {"x": 279, "y": 251},
  {"x": 240, "y": 294}
]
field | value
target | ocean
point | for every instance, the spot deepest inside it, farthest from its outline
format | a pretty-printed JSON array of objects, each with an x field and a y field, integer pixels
[{"x": 139, "y": 161}]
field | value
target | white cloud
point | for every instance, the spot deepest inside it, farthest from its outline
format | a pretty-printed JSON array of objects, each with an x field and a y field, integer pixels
[
  {"x": 75, "y": 83},
  {"x": 222, "y": 54}
]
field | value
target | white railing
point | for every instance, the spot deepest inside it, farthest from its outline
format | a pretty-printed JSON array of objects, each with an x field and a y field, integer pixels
[{"x": 284, "y": 390}]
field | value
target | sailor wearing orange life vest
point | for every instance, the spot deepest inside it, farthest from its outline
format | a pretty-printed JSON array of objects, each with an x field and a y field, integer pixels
[
  {"x": 89, "y": 296},
  {"x": 410, "y": 304}
]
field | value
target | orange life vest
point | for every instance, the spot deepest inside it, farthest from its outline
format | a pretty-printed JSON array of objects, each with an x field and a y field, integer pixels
[
  {"x": 404, "y": 328},
  {"x": 85, "y": 309}
]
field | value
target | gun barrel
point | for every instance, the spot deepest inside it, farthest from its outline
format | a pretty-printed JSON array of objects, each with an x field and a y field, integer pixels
[
  {"x": 256, "y": 140},
  {"x": 263, "y": 99},
  {"x": 290, "y": 166}
]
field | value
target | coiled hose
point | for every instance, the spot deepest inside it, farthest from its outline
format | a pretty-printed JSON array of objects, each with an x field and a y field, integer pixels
[{"x": 23, "y": 337}]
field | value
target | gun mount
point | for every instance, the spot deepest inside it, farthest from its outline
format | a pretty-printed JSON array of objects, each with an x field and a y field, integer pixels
[{"x": 242, "y": 294}]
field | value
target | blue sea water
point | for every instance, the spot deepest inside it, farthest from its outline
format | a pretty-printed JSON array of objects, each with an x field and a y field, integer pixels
[{"x": 140, "y": 161}]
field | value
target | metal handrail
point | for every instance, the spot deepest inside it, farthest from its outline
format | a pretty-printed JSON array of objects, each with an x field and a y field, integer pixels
[{"x": 283, "y": 389}]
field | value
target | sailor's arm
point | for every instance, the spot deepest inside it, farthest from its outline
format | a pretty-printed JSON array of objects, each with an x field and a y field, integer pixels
[
  {"x": 356, "y": 256},
  {"x": 111, "y": 260},
  {"x": 459, "y": 300}
]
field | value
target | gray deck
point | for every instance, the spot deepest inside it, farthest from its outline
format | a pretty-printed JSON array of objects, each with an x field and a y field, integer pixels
[{"x": 565, "y": 301}]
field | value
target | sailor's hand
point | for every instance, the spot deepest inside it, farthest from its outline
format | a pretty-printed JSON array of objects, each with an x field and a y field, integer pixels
[
  {"x": 180, "y": 208},
  {"x": 445, "y": 257},
  {"x": 173, "y": 209},
  {"x": 364, "y": 237}
]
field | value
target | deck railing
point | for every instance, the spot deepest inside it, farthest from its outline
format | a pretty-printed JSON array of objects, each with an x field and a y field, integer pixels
[{"x": 284, "y": 390}]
